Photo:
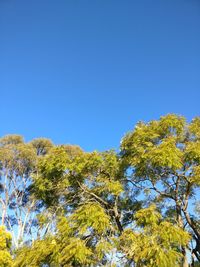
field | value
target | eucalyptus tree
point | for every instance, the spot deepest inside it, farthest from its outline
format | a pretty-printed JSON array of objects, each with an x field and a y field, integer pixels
[{"x": 18, "y": 209}]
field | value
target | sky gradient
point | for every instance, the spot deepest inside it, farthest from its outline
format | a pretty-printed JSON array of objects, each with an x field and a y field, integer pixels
[{"x": 84, "y": 72}]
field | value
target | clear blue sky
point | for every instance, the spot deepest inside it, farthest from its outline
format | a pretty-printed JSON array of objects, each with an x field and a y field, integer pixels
[{"x": 84, "y": 72}]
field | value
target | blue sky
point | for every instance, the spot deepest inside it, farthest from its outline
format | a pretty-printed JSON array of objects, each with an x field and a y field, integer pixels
[{"x": 84, "y": 72}]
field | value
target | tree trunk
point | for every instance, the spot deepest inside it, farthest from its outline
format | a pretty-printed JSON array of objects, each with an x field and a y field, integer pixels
[
  {"x": 185, "y": 260},
  {"x": 181, "y": 224}
]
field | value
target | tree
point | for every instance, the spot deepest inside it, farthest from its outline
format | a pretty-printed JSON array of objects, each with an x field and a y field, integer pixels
[
  {"x": 84, "y": 187},
  {"x": 67, "y": 207},
  {"x": 164, "y": 158},
  {"x": 17, "y": 162},
  {"x": 90, "y": 190}
]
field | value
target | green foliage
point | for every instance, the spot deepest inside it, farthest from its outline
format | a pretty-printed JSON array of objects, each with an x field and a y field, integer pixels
[
  {"x": 155, "y": 145},
  {"x": 11, "y": 139},
  {"x": 72, "y": 249},
  {"x": 17, "y": 158},
  {"x": 145, "y": 217},
  {"x": 62, "y": 249},
  {"x": 155, "y": 243},
  {"x": 5, "y": 245},
  {"x": 82, "y": 208},
  {"x": 17, "y": 161},
  {"x": 52, "y": 177},
  {"x": 42, "y": 145},
  {"x": 41, "y": 252},
  {"x": 163, "y": 157},
  {"x": 93, "y": 216},
  {"x": 75, "y": 252},
  {"x": 166, "y": 154},
  {"x": 195, "y": 128},
  {"x": 172, "y": 124}
]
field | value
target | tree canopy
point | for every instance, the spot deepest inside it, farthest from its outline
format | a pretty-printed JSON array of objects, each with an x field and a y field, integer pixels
[{"x": 139, "y": 206}]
